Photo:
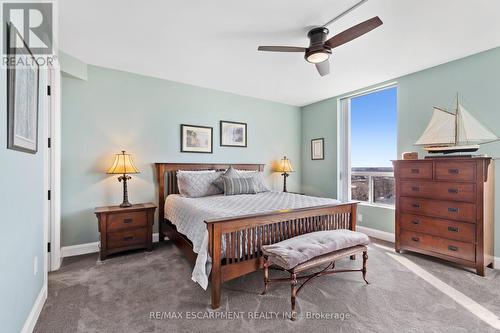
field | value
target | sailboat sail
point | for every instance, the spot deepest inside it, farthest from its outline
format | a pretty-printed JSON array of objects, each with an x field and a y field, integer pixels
[
  {"x": 440, "y": 131},
  {"x": 470, "y": 130}
]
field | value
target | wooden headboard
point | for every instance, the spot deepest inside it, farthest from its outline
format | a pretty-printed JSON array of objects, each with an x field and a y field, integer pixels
[{"x": 167, "y": 171}]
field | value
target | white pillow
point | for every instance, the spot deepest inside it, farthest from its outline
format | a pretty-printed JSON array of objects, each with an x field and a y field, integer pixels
[{"x": 197, "y": 184}]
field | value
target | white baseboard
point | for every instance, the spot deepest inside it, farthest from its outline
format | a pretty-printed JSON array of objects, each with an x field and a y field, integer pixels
[
  {"x": 76, "y": 250},
  {"x": 496, "y": 262},
  {"x": 30, "y": 322},
  {"x": 383, "y": 235}
]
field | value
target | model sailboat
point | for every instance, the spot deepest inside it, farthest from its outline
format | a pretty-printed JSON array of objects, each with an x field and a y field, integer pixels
[{"x": 453, "y": 132}]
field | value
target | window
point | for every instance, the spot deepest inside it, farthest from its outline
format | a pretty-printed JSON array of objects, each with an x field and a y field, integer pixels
[{"x": 368, "y": 138}]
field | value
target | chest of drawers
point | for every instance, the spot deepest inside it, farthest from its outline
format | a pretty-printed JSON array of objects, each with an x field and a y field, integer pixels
[{"x": 444, "y": 208}]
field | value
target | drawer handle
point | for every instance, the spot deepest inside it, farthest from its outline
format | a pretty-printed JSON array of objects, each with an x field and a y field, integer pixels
[
  {"x": 453, "y": 190},
  {"x": 415, "y": 205},
  {"x": 452, "y": 248},
  {"x": 453, "y": 171},
  {"x": 453, "y": 210},
  {"x": 127, "y": 221},
  {"x": 453, "y": 229},
  {"x": 415, "y": 239},
  {"x": 128, "y": 238},
  {"x": 415, "y": 170},
  {"x": 415, "y": 189},
  {"x": 415, "y": 221}
]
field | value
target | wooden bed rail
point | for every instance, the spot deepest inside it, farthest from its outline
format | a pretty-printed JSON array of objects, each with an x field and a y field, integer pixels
[{"x": 235, "y": 243}]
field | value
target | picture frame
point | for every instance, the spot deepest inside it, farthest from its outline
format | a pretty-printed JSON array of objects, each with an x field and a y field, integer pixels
[
  {"x": 233, "y": 134},
  {"x": 318, "y": 149},
  {"x": 22, "y": 97},
  {"x": 196, "y": 139}
]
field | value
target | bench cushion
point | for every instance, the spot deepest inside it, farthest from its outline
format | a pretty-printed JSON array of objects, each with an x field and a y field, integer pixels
[{"x": 297, "y": 250}]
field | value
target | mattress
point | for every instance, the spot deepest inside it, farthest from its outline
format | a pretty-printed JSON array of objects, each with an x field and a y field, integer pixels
[{"x": 189, "y": 215}]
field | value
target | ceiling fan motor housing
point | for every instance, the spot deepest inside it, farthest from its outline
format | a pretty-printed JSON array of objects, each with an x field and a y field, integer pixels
[{"x": 317, "y": 37}]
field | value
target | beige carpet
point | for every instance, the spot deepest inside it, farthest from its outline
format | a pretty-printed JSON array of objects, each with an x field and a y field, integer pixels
[{"x": 153, "y": 292}]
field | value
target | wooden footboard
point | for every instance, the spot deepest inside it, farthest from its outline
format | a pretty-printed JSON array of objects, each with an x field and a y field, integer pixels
[{"x": 243, "y": 237}]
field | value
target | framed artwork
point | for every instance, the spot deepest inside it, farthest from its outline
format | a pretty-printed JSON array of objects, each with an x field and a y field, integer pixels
[
  {"x": 22, "y": 97},
  {"x": 233, "y": 134},
  {"x": 196, "y": 139},
  {"x": 318, "y": 149}
]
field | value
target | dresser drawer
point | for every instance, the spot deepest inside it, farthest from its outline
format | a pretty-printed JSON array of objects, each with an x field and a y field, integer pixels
[
  {"x": 444, "y": 246},
  {"x": 461, "y": 171},
  {"x": 127, "y": 238},
  {"x": 122, "y": 221},
  {"x": 461, "y": 231},
  {"x": 439, "y": 190},
  {"x": 461, "y": 211},
  {"x": 414, "y": 170}
]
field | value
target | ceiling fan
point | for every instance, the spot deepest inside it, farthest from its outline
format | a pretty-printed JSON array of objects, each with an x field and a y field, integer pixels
[{"x": 320, "y": 48}]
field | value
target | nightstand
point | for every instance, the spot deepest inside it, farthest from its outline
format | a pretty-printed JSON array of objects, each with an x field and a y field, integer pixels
[{"x": 123, "y": 229}]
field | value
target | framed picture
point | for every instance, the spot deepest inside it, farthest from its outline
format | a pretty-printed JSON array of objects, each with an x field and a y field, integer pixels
[
  {"x": 318, "y": 149},
  {"x": 22, "y": 96},
  {"x": 233, "y": 134},
  {"x": 196, "y": 139}
]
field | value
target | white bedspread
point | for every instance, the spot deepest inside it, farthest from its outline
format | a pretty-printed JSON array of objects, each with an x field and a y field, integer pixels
[{"x": 189, "y": 215}]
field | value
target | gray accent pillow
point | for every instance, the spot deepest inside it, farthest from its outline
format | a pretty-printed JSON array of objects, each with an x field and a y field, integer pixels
[
  {"x": 257, "y": 176},
  {"x": 197, "y": 184},
  {"x": 230, "y": 172},
  {"x": 234, "y": 186},
  {"x": 297, "y": 250}
]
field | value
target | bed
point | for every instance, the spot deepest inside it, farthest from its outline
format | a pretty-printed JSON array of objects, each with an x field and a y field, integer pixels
[{"x": 222, "y": 236}]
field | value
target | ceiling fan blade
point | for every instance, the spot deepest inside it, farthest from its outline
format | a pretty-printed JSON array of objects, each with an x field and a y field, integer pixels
[
  {"x": 282, "y": 48},
  {"x": 323, "y": 67},
  {"x": 354, "y": 32}
]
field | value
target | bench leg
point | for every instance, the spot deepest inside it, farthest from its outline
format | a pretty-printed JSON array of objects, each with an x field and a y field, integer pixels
[
  {"x": 293, "y": 282},
  {"x": 266, "y": 277},
  {"x": 365, "y": 259}
]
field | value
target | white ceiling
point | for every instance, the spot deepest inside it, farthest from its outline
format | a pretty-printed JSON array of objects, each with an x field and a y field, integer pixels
[{"x": 214, "y": 43}]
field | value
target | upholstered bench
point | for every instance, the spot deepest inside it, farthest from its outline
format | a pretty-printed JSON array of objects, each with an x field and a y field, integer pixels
[{"x": 307, "y": 251}]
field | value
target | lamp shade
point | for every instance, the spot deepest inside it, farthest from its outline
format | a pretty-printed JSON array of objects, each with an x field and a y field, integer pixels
[
  {"x": 123, "y": 164},
  {"x": 284, "y": 165}
]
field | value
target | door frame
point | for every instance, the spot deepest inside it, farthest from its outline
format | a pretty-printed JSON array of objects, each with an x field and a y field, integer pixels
[{"x": 52, "y": 174}]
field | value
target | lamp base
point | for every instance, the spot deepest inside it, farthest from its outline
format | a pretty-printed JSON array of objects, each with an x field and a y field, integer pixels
[
  {"x": 125, "y": 202},
  {"x": 285, "y": 175}
]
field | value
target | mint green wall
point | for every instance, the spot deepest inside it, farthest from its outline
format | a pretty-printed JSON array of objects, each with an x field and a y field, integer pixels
[
  {"x": 476, "y": 78},
  {"x": 117, "y": 110},
  {"x": 21, "y": 240},
  {"x": 319, "y": 120}
]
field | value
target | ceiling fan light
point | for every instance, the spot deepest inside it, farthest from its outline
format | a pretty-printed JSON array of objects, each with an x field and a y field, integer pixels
[{"x": 317, "y": 57}]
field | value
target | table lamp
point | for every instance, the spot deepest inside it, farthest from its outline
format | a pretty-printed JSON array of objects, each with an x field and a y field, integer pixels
[
  {"x": 123, "y": 165},
  {"x": 285, "y": 167}
]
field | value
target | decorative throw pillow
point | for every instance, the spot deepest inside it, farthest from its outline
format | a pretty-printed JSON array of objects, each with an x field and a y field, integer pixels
[
  {"x": 257, "y": 176},
  {"x": 233, "y": 186},
  {"x": 197, "y": 184},
  {"x": 230, "y": 172}
]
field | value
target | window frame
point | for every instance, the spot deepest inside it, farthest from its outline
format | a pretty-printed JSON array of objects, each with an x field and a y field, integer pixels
[{"x": 344, "y": 167}]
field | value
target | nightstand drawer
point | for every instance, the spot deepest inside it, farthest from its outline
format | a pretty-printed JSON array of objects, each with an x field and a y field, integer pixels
[
  {"x": 122, "y": 221},
  {"x": 127, "y": 238}
]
